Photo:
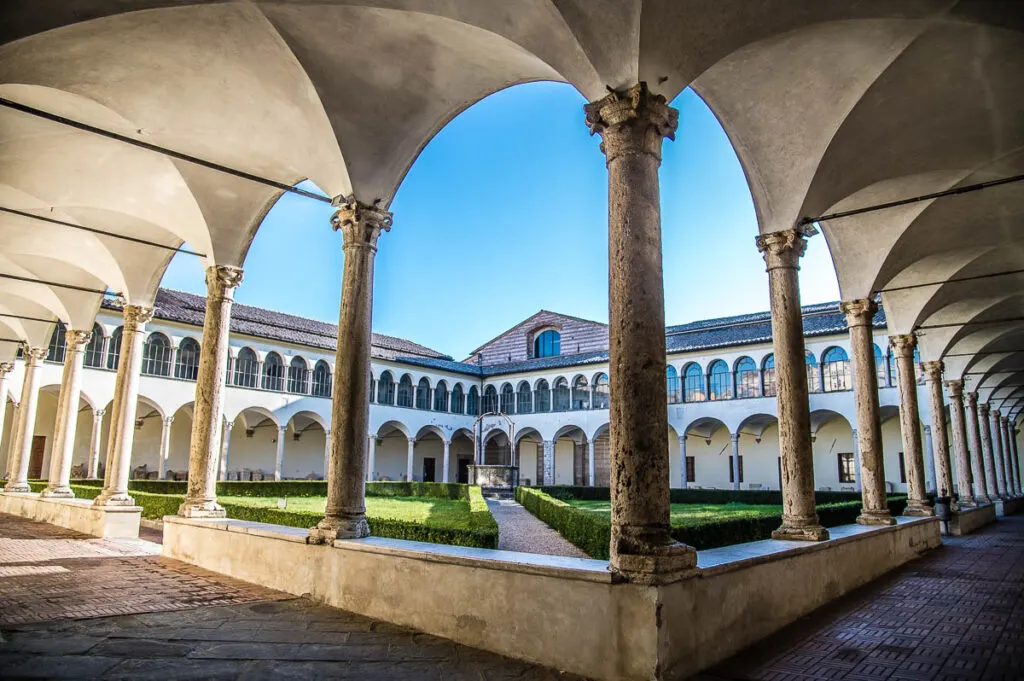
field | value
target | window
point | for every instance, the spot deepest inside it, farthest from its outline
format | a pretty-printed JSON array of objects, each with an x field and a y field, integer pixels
[
  {"x": 847, "y": 468},
  {"x": 835, "y": 370},
  {"x": 547, "y": 344},
  {"x": 114, "y": 348},
  {"x": 508, "y": 399},
  {"x": 441, "y": 396},
  {"x": 156, "y": 355},
  {"x": 322, "y": 380},
  {"x": 813, "y": 377},
  {"x": 880, "y": 370},
  {"x": 473, "y": 402},
  {"x": 542, "y": 397},
  {"x": 719, "y": 381},
  {"x": 247, "y": 369},
  {"x": 746, "y": 378},
  {"x": 423, "y": 394},
  {"x": 273, "y": 372},
  {"x": 602, "y": 392},
  {"x": 298, "y": 376},
  {"x": 691, "y": 469},
  {"x": 406, "y": 393},
  {"x": 186, "y": 366},
  {"x": 524, "y": 399},
  {"x": 386, "y": 389},
  {"x": 693, "y": 383},
  {"x": 891, "y": 362},
  {"x": 560, "y": 395},
  {"x": 771, "y": 388},
  {"x": 903, "y": 467},
  {"x": 94, "y": 350},
  {"x": 458, "y": 400},
  {"x": 675, "y": 395},
  {"x": 58, "y": 344},
  {"x": 580, "y": 394},
  {"x": 490, "y": 402},
  {"x": 732, "y": 475}
]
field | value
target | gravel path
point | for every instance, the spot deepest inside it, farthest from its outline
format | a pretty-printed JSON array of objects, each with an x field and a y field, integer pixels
[{"x": 519, "y": 530}]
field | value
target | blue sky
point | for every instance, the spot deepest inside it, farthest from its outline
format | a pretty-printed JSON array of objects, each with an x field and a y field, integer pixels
[{"x": 505, "y": 213}]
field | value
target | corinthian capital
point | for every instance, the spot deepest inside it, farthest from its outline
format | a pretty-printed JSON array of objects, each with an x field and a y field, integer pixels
[
  {"x": 222, "y": 279},
  {"x": 995, "y": 414},
  {"x": 955, "y": 388},
  {"x": 933, "y": 370},
  {"x": 633, "y": 121},
  {"x": 33, "y": 355},
  {"x": 77, "y": 339},
  {"x": 859, "y": 312},
  {"x": 360, "y": 224},
  {"x": 6, "y": 368},
  {"x": 983, "y": 409},
  {"x": 903, "y": 345},
  {"x": 783, "y": 249},
  {"x": 137, "y": 315},
  {"x": 972, "y": 400}
]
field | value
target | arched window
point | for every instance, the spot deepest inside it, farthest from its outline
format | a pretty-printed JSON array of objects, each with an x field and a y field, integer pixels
[
  {"x": 423, "y": 394},
  {"x": 386, "y": 389},
  {"x": 186, "y": 366},
  {"x": 156, "y": 355},
  {"x": 441, "y": 396},
  {"x": 273, "y": 372},
  {"x": 835, "y": 369},
  {"x": 458, "y": 400},
  {"x": 94, "y": 349},
  {"x": 490, "y": 401},
  {"x": 880, "y": 369},
  {"x": 473, "y": 401},
  {"x": 771, "y": 388},
  {"x": 508, "y": 399},
  {"x": 580, "y": 394},
  {"x": 524, "y": 399},
  {"x": 58, "y": 344},
  {"x": 719, "y": 381},
  {"x": 693, "y": 383},
  {"x": 298, "y": 376},
  {"x": 114, "y": 349},
  {"x": 746, "y": 378},
  {"x": 406, "y": 393},
  {"x": 675, "y": 395},
  {"x": 813, "y": 377},
  {"x": 560, "y": 395},
  {"x": 602, "y": 392},
  {"x": 247, "y": 369},
  {"x": 322, "y": 379},
  {"x": 542, "y": 397},
  {"x": 547, "y": 344}
]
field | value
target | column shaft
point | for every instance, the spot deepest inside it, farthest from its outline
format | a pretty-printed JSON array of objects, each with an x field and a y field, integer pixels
[
  {"x": 445, "y": 460},
  {"x": 997, "y": 454},
  {"x": 95, "y": 442},
  {"x": 857, "y": 483},
  {"x": 929, "y": 459},
  {"x": 1016, "y": 459},
  {"x": 225, "y": 449},
  {"x": 1011, "y": 488},
  {"x": 987, "y": 451},
  {"x": 549, "y": 462},
  {"x": 910, "y": 425},
  {"x": 735, "y": 460},
  {"x": 5, "y": 370},
  {"x": 208, "y": 417},
  {"x": 591, "y": 466},
  {"x": 958, "y": 425},
  {"x": 981, "y": 491},
  {"x": 63, "y": 453},
  {"x": 940, "y": 442},
  {"x": 21, "y": 448},
  {"x": 684, "y": 481},
  {"x": 282, "y": 433}
]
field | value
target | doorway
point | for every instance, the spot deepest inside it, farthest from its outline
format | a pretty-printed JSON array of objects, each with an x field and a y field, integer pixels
[
  {"x": 428, "y": 469},
  {"x": 463, "y": 474}
]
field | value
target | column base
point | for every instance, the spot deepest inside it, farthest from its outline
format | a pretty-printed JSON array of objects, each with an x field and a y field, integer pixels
[
  {"x": 17, "y": 487},
  {"x": 870, "y": 517},
  {"x": 918, "y": 509},
  {"x": 983, "y": 500},
  {"x": 201, "y": 508},
  {"x": 113, "y": 499},
  {"x": 59, "y": 492},
  {"x": 800, "y": 533},
  {"x": 649, "y": 556},
  {"x": 332, "y": 528}
]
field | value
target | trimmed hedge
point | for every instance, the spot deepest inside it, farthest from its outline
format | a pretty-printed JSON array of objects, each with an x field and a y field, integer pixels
[
  {"x": 698, "y": 496},
  {"x": 154, "y": 506},
  {"x": 591, "y": 532},
  {"x": 295, "y": 488}
]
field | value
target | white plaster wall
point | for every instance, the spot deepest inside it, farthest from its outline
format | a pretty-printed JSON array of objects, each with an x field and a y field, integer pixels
[
  {"x": 833, "y": 437},
  {"x": 711, "y": 461},
  {"x": 564, "y": 451},
  {"x": 761, "y": 459},
  {"x": 528, "y": 452}
]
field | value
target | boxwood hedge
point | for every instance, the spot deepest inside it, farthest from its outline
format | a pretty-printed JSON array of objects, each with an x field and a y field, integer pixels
[{"x": 295, "y": 488}]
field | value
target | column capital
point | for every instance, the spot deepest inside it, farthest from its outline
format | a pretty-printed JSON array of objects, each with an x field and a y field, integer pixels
[
  {"x": 955, "y": 388},
  {"x": 783, "y": 249},
  {"x": 75, "y": 339},
  {"x": 168, "y": 420},
  {"x": 137, "y": 315},
  {"x": 33, "y": 356},
  {"x": 632, "y": 121},
  {"x": 983, "y": 408},
  {"x": 735, "y": 437},
  {"x": 221, "y": 280},
  {"x": 972, "y": 399},
  {"x": 904, "y": 344},
  {"x": 6, "y": 368},
  {"x": 995, "y": 414},
  {"x": 360, "y": 224},
  {"x": 933, "y": 370},
  {"x": 99, "y": 413},
  {"x": 859, "y": 312}
]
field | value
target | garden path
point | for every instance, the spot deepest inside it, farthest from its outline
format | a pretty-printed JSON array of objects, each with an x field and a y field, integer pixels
[{"x": 519, "y": 530}]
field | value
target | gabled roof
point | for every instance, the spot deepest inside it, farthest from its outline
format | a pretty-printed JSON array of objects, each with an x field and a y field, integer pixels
[{"x": 529, "y": 322}]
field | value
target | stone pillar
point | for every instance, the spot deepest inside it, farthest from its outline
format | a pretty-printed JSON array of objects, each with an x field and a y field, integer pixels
[
  {"x": 943, "y": 473},
  {"x": 549, "y": 463},
  {"x": 20, "y": 448},
  {"x": 988, "y": 452},
  {"x": 95, "y": 440},
  {"x": 282, "y": 432},
  {"x": 165, "y": 446},
  {"x": 632, "y": 125},
  {"x": 682, "y": 462},
  {"x": 735, "y": 460},
  {"x": 225, "y": 449},
  {"x": 856, "y": 461},
  {"x": 66, "y": 426},
  {"x": 5, "y": 369},
  {"x": 345, "y": 515},
  {"x": 12, "y": 460},
  {"x": 410, "y": 461},
  {"x": 1016, "y": 458},
  {"x": 929, "y": 459},
  {"x": 902, "y": 347},
  {"x": 126, "y": 398},
  {"x": 997, "y": 454},
  {"x": 874, "y": 506},
  {"x": 958, "y": 425},
  {"x": 591, "y": 465},
  {"x": 446, "y": 460},
  {"x": 782, "y": 251},
  {"x": 974, "y": 439},
  {"x": 1011, "y": 487},
  {"x": 208, "y": 415}
]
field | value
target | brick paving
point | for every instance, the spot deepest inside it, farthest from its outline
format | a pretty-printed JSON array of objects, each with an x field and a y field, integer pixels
[{"x": 956, "y": 614}]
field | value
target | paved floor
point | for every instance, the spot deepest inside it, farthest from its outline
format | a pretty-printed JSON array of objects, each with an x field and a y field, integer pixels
[
  {"x": 520, "y": 530},
  {"x": 956, "y": 614}
]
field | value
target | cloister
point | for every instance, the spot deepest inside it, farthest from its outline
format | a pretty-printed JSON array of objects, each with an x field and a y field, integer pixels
[{"x": 895, "y": 129}]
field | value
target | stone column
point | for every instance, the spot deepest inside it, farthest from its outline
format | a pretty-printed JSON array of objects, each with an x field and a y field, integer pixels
[
  {"x": 591, "y": 465},
  {"x": 1011, "y": 487},
  {"x": 549, "y": 463},
  {"x": 958, "y": 426},
  {"x": 410, "y": 461},
  {"x": 1016, "y": 457},
  {"x": 225, "y": 449},
  {"x": 929, "y": 459},
  {"x": 943, "y": 473},
  {"x": 446, "y": 460},
  {"x": 126, "y": 398},
  {"x": 988, "y": 452},
  {"x": 20, "y": 449},
  {"x": 735, "y": 460},
  {"x": 5, "y": 369},
  {"x": 95, "y": 440},
  {"x": 856, "y": 461},
  {"x": 282, "y": 432},
  {"x": 682, "y": 461},
  {"x": 345, "y": 515},
  {"x": 165, "y": 446},
  {"x": 208, "y": 417},
  {"x": 902, "y": 347},
  {"x": 632, "y": 125},
  {"x": 782, "y": 251},
  {"x": 997, "y": 454},
  {"x": 981, "y": 494},
  {"x": 66, "y": 426},
  {"x": 875, "y": 507},
  {"x": 12, "y": 460}
]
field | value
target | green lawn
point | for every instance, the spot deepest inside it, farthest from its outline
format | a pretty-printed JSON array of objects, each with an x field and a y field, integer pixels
[
  {"x": 438, "y": 512},
  {"x": 689, "y": 514}
]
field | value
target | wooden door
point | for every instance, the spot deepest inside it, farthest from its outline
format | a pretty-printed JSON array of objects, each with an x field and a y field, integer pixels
[{"x": 35, "y": 461}]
